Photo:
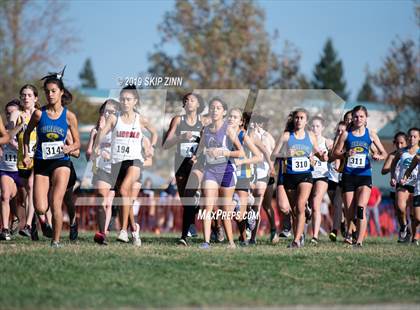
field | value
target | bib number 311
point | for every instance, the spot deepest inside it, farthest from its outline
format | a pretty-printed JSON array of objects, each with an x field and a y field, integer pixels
[{"x": 357, "y": 161}]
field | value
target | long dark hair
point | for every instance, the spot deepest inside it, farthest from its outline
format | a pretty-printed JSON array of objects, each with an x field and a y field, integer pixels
[
  {"x": 200, "y": 100},
  {"x": 57, "y": 79}
]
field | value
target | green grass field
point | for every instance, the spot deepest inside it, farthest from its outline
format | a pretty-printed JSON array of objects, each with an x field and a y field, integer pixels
[{"x": 160, "y": 274}]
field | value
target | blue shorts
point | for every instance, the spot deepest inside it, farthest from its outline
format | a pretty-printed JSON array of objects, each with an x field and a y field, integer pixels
[
  {"x": 224, "y": 179},
  {"x": 14, "y": 175}
]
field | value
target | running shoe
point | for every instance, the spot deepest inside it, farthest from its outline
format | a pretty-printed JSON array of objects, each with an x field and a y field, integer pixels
[
  {"x": 231, "y": 245},
  {"x": 100, "y": 238},
  {"x": 357, "y": 246},
  {"x": 248, "y": 233},
  {"x": 56, "y": 244},
  {"x": 74, "y": 232},
  {"x": 14, "y": 227},
  {"x": 415, "y": 242},
  {"x": 47, "y": 230},
  {"x": 285, "y": 233},
  {"x": 135, "y": 235},
  {"x": 274, "y": 237},
  {"x": 252, "y": 219},
  {"x": 192, "y": 231},
  {"x": 123, "y": 236},
  {"x": 220, "y": 234},
  {"x": 243, "y": 243},
  {"x": 182, "y": 242},
  {"x": 348, "y": 240},
  {"x": 26, "y": 231},
  {"x": 252, "y": 242},
  {"x": 294, "y": 245},
  {"x": 197, "y": 197},
  {"x": 205, "y": 246},
  {"x": 302, "y": 240},
  {"x": 314, "y": 241},
  {"x": 34, "y": 232},
  {"x": 404, "y": 235},
  {"x": 333, "y": 235},
  {"x": 5, "y": 235},
  {"x": 343, "y": 229},
  {"x": 213, "y": 235}
]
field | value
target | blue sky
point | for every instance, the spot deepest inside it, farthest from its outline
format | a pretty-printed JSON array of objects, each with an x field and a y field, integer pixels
[{"x": 118, "y": 36}]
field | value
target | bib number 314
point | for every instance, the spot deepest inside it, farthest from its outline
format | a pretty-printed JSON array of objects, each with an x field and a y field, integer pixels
[{"x": 52, "y": 150}]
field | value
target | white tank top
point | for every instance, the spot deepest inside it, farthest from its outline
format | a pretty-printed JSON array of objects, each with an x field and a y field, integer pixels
[
  {"x": 320, "y": 167},
  {"x": 8, "y": 162},
  {"x": 126, "y": 141},
  {"x": 403, "y": 164},
  {"x": 105, "y": 147},
  {"x": 333, "y": 174},
  {"x": 262, "y": 168}
]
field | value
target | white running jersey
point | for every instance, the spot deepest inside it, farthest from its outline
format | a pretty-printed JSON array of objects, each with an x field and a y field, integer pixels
[
  {"x": 126, "y": 141},
  {"x": 105, "y": 152},
  {"x": 333, "y": 174},
  {"x": 8, "y": 161},
  {"x": 403, "y": 164},
  {"x": 262, "y": 168},
  {"x": 321, "y": 167}
]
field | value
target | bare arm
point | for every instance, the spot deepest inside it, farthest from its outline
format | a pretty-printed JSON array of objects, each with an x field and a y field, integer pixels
[
  {"x": 414, "y": 163},
  {"x": 169, "y": 140},
  {"x": 257, "y": 156},
  {"x": 323, "y": 156},
  {"x": 74, "y": 147},
  {"x": 4, "y": 135},
  {"x": 36, "y": 116},
  {"x": 338, "y": 149},
  {"x": 380, "y": 148},
  {"x": 102, "y": 132},
  {"x": 387, "y": 164},
  {"x": 146, "y": 124},
  {"x": 239, "y": 152},
  {"x": 89, "y": 149},
  {"x": 277, "y": 152},
  {"x": 69, "y": 141}
]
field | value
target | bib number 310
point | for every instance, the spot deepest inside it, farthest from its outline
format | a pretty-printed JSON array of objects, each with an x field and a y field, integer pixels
[{"x": 300, "y": 164}]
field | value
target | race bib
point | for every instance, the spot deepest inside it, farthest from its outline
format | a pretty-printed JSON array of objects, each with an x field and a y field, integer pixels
[
  {"x": 52, "y": 150},
  {"x": 188, "y": 149},
  {"x": 357, "y": 161},
  {"x": 123, "y": 149},
  {"x": 216, "y": 160},
  {"x": 10, "y": 158},
  {"x": 31, "y": 150},
  {"x": 300, "y": 164},
  {"x": 320, "y": 165}
]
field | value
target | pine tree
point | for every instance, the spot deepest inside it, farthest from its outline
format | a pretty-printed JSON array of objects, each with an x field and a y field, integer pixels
[
  {"x": 87, "y": 76},
  {"x": 367, "y": 92},
  {"x": 329, "y": 72}
]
